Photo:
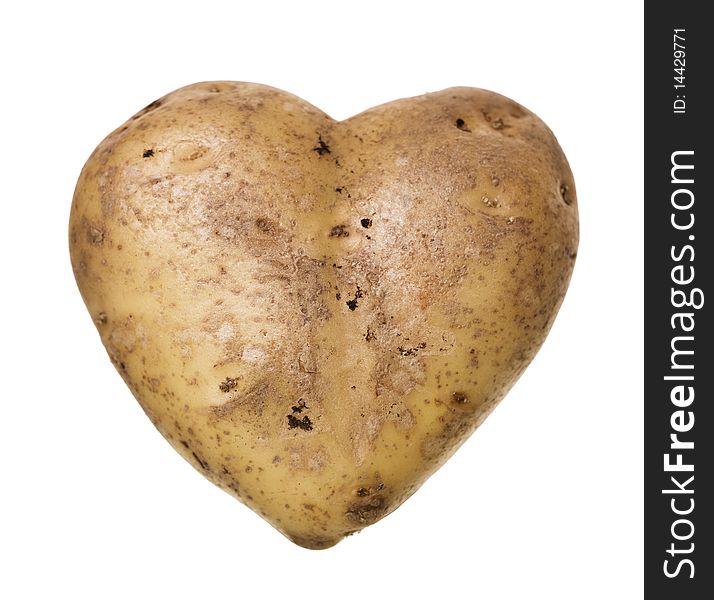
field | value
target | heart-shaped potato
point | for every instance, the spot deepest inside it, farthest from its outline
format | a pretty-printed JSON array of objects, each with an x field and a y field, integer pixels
[{"x": 315, "y": 313}]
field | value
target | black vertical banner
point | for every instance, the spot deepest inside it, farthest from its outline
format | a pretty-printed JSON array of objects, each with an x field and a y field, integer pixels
[{"x": 679, "y": 301}]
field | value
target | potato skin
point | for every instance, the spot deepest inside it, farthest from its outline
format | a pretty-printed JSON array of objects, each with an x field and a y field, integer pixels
[{"x": 316, "y": 314}]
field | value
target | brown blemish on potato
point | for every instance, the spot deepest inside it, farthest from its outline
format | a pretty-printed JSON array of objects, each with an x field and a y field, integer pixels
[
  {"x": 367, "y": 511},
  {"x": 459, "y": 398},
  {"x": 370, "y": 489},
  {"x": 228, "y": 384},
  {"x": 339, "y": 231},
  {"x": 148, "y": 153},
  {"x": 189, "y": 151},
  {"x": 266, "y": 225},
  {"x": 461, "y": 124},
  {"x": 352, "y": 303},
  {"x": 411, "y": 351},
  {"x": 565, "y": 194},
  {"x": 299, "y": 407},
  {"x": 304, "y": 423},
  {"x": 202, "y": 462},
  {"x": 496, "y": 123},
  {"x": 96, "y": 236},
  {"x": 94, "y": 232},
  {"x": 247, "y": 406},
  {"x": 322, "y": 147}
]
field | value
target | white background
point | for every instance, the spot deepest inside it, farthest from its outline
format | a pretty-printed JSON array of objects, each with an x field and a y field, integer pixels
[{"x": 544, "y": 501}]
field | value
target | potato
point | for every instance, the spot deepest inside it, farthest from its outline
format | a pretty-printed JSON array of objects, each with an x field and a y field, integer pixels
[{"x": 316, "y": 314}]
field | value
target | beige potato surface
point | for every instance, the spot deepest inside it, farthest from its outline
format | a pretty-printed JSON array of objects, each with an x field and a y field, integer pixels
[{"x": 316, "y": 314}]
